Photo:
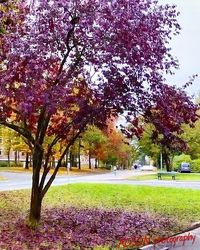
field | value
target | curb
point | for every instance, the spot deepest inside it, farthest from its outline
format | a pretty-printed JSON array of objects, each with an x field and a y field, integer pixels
[{"x": 151, "y": 247}]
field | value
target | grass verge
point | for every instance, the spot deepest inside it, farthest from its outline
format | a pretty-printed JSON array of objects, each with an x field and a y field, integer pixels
[
  {"x": 62, "y": 171},
  {"x": 179, "y": 177}
]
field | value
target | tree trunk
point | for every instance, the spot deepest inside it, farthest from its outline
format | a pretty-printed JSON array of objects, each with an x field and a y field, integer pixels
[
  {"x": 167, "y": 161},
  {"x": 79, "y": 154},
  {"x": 79, "y": 162},
  {"x": 71, "y": 159},
  {"x": 9, "y": 158},
  {"x": 27, "y": 163},
  {"x": 15, "y": 158},
  {"x": 35, "y": 207},
  {"x": 53, "y": 164},
  {"x": 90, "y": 165},
  {"x": 36, "y": 197},
  {"x": 31, "y": 162},
  {"x": 75, "y": 160},
  {"x": 66, "y": 159},
  {"x": 18, "y": 158},
  {"x": 96, "y": 163}
]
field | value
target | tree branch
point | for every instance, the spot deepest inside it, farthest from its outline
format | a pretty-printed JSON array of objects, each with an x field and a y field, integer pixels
[
  {"x": 51, "y": 179},
  {"x": 44, "y": 175},
  {"x": 40, "y": 120},
  {"x": 69, "y": 49},
  {"x": 20, "y": 130}
]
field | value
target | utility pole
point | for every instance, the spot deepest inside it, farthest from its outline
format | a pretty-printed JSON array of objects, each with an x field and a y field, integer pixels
[{"x": 161, "y": 160}]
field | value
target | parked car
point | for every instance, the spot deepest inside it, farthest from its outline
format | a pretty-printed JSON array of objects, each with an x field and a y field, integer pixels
[
  {"x": 184, "y": 168},
  {"x": 148, "y": 168}
]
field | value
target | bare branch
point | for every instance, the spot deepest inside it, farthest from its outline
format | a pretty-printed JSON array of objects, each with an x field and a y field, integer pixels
[{"x": 69, "y": 49}]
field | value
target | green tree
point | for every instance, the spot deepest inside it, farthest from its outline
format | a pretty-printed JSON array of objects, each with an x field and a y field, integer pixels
[
  {"x": 146, "y": 144},
  {"x": 154, "y": 148},
  {"x": 12, "y": 141},
  {"x": 192, "y": 136},
  {"x": 93, "y": 137}
]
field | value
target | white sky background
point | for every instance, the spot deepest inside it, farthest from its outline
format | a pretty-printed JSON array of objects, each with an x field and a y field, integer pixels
[{"x": 186, "y": 46}]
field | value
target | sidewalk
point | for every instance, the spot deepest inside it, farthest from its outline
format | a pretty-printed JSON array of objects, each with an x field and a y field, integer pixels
[{"x": 186, "y": 241}]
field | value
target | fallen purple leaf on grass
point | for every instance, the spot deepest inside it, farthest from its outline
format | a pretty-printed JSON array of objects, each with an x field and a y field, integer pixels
[{"x": 68, "y": 228}]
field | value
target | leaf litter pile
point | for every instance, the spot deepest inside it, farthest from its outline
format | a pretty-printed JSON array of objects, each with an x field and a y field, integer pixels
[{"x": 70, "y": 228}]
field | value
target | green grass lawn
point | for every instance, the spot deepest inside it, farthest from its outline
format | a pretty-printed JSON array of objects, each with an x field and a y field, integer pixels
[
  {"x": 179, "y": 177},
  {"x": 182, "y": 205}
]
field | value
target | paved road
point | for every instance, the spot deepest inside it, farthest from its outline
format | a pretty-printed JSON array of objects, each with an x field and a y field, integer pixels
[
  {"x": 23, "y": 180},
  {"x": 16, "y": 181}
]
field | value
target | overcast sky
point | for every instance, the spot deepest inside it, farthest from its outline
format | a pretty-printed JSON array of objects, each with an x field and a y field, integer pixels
[{"x": 186, "y": 46}]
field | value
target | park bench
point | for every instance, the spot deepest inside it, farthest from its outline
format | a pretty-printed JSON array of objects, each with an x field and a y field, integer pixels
[{"x": 172, "y": 174}]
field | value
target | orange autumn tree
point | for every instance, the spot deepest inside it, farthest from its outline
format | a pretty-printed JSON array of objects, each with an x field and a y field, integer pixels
[{"x": 117, "y": 150}]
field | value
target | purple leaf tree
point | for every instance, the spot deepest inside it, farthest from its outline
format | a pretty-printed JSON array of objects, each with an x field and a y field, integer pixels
[{"x": 66, "y": 64}]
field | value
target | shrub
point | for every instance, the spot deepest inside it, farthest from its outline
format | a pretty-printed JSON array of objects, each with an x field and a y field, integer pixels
[
  {"x": 107, "y": 166},
  {"x": 3, "y": 164},
  {"x": 12, "y": 164},
  {"x": 178, "y": 159},
  {"x": 19, "y": 164},
  {"x": 195, "y": 166}
]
